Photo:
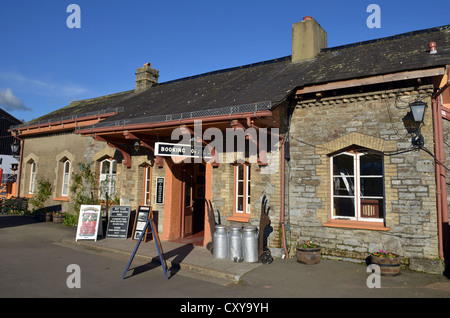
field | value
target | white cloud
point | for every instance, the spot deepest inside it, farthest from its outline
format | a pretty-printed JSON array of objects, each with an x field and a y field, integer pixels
[
  {"x": 10, "y": 102},
  {"x": 42, "y": 87}
]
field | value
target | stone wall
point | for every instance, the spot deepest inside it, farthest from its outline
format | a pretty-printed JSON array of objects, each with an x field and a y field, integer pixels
[{"x": 374, "y": 120}]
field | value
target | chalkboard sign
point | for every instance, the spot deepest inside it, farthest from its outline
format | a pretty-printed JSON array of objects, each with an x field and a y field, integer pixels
[
  {"x": 142, "y": 216},
  {"x": 119, "y": 218},
  {"x": 159, "y": 190}
]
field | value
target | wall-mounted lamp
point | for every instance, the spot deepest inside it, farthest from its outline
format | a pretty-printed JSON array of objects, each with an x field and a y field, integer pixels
[
  {"x": 14, "y": 147},
  {"x": 418, "y": 109},
  {"x": 137, "y": 146}
]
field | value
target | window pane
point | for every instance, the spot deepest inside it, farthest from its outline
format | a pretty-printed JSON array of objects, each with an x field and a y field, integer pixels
[
  {"x": 344, "y": 186},
  {"x": 343, "y": 165},
  {"x": 241, "y": 172},
  {"x": 105, "y": 167},
  {"x": 371, "y": 165},
  {"x": 240, "y": 188},
  {"x": 372, "y": 208},
  {"x": 344, "y": 207},
  {"x": 372, "y": 187},
  {"x": 240, "y": 204}
]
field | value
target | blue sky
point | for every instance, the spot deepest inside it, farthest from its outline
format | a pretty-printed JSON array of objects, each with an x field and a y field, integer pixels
[{"x": 44, "y": 65}]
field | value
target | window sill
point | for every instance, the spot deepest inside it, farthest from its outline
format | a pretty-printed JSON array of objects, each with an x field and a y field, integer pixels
[
  {"x": 364, "y": 225},
  {"x": 64, "y": 199},
  {"x": 244, "y": 219}
]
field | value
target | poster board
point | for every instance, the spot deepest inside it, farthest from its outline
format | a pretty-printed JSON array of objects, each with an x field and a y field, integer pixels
[
  {"x": 88, "y": 222},
  {"x": 143, "y": 214},
  {"x": 119, "y": 219},
  {"x": 162, "y": 259}
]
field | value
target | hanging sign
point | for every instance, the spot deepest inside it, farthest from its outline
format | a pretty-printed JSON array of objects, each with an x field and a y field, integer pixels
[
  {"x": 119, "y": 218},
  {"x": 88, "y": 222},
  {"x": 159, "y": 190},
  {"x": 178, "y": 150}
]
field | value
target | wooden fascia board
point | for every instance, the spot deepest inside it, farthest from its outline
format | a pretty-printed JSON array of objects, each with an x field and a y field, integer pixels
[
  {"x": 400, "y": 76},
  {"x": 62, "y": 125}
]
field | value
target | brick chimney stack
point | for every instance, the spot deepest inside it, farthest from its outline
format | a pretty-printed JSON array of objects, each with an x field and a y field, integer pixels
[
  {"x": 308, "y": 38},
  {"x": 146, "y": 77}
]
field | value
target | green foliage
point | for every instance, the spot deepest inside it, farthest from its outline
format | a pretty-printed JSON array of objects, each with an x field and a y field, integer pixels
[
  {"x": 70, "y": 220},
  {"x": 42, "y": 192},
  {"x": 84, "y": 186}
]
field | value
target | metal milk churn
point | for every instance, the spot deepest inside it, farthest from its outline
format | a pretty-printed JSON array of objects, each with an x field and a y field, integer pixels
[
  {"x": 220, "y": 247},
  {"x": 235, "y": 244},
  {"x": 250, "y": 244}
]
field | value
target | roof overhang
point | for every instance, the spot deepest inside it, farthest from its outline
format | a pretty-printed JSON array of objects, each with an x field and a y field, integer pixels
[{"x": 378, "y": 79}]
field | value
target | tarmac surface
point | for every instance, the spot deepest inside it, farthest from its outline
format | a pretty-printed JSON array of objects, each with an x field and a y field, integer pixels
[{"x": 283, "y": 278}]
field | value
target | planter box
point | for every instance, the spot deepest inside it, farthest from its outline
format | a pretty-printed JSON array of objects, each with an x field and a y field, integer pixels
[
  {"x": 308, "y": 256},
  {"x": 389, "y": 266},
  {"x": 58, "y": 218}
]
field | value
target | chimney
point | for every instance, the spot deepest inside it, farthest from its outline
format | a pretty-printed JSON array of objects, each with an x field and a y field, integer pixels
[
  {"x": 308, "y": 38},
  {"x": 146, "y": 77}
]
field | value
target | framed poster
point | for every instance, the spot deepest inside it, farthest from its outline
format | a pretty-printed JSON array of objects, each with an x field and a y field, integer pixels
[
  {"x": 142, "y": 216},
  {"x": 88, "y": 222},
  {"x": 119, "y": 218}
]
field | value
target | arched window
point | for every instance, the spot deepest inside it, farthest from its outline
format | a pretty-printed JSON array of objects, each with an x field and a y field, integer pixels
[
  {"x": 32, "y": 177},
  {"x": 357, "y": 180},
  {"x": 66, "y": 178},
  {"x": 108, "y": 170}
]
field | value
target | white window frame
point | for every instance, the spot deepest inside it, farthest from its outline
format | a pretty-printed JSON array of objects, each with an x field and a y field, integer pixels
[
  {"x": 147, "y": 184},
  {"x": 32, "y": 177},
  {"x": 108, "y": 180},
  {"x": 246, "y": 184},
  {"x": 357, "y": 186},
  {"x": 66, "y": 178}
]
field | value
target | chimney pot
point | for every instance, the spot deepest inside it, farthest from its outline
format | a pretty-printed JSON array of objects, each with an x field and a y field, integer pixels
[
  {"x": 432, "y": 46},
  {"x": 307, "y": 18}
]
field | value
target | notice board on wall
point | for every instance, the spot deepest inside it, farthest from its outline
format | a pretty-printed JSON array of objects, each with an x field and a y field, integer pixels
[
  {"x": 142, "y": 216},
  {"x": 119, "y": 219},
  {"x": 89, "y": 221}
]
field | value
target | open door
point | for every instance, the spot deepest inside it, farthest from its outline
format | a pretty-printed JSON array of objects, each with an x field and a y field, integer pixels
[{"x": 187, "y": 202}]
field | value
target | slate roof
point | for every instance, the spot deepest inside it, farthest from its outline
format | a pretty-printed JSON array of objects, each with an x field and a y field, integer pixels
[{"x": 266, "y": 84}]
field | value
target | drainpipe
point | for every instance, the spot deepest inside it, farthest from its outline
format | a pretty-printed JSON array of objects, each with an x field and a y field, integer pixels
[
  {"x": 19, "y": 174},
  {"x": 283, "y": 227},
  {"x": 441, "y": 185}
]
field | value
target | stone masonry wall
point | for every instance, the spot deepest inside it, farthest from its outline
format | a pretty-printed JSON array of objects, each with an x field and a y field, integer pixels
[{"x": 372, "y": 120}]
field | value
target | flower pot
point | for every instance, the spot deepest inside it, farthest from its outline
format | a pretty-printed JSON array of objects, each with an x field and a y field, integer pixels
[
  {"x": 46, "y": 216},
  {"x": 58, "y": 218},
  {"x": 308, "y": 256},
  {"x": 389, "y": 266}
]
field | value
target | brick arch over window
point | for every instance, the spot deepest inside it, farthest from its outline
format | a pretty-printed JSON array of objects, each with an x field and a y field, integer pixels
[{"x": 345, "y": 142}]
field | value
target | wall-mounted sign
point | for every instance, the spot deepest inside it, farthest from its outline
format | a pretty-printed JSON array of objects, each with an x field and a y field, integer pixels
[
  {"x": 88, "y": 222},
  {"x": 119, "y": 218},
  {"x": 178, "y": 150},
  {"x": 159, "y": 199}
]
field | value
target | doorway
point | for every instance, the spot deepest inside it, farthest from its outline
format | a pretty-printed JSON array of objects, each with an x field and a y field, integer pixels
[{"x": 193, "y": 202}]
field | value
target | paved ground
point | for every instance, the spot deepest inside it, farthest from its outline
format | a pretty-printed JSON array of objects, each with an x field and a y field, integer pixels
[{"x": 31, "y": 249}]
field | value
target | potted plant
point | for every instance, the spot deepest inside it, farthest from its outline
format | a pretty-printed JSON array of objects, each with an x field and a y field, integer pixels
[
  {"x": 58, "y": 216},
  {"x": 308, "y": 253},
  {"x": 388, "y": 262}
]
